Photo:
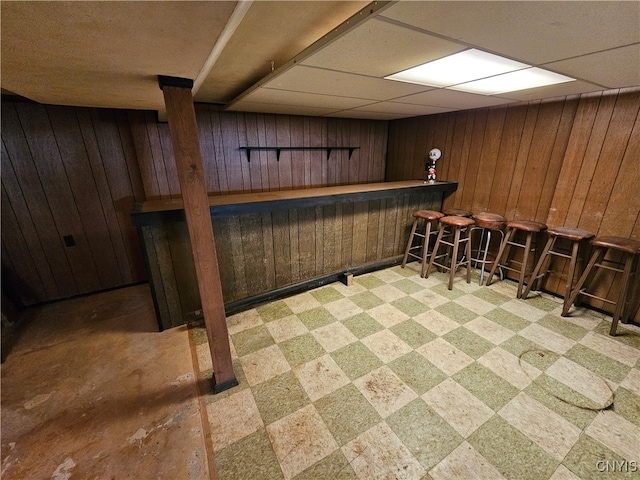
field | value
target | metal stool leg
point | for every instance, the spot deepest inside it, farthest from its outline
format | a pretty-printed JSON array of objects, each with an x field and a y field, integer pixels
[
  {"x": 468, "y": 255},
  {"x": 454, "y": 257},
  {"x": 505, "y": 247}
]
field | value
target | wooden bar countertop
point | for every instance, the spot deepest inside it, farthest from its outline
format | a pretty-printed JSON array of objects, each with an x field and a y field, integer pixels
[{"x": 158, "y": 211}]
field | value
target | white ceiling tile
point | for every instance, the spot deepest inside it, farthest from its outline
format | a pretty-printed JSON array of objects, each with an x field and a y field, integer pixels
[
  {"x": 405, "y": 109},
  {"x": 530, "y": 31},
  {"x": 279, "y": 108},
  {"x": 329, "y": 82},
  {"x": 612, "y": 69},
  {"x": 284, "y": 97},
  {"x": 328, "y": 63},
  {"x": 355, "y": 113},
  {"x": 380, "y": 48},
  {"x": 451, "y": 99}
]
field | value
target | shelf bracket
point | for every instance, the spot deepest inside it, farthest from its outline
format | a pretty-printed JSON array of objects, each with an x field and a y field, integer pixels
[{"x": 280, "y": 149}]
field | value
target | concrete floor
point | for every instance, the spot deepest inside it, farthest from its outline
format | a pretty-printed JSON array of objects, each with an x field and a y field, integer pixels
[{"x": 91, "y": 389}]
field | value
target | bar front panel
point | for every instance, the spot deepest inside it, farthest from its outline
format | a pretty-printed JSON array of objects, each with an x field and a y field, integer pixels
[{"x": 263, "y": 252}]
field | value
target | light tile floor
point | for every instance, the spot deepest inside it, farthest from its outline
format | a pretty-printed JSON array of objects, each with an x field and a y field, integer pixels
[{"x": 396, "y": 377}]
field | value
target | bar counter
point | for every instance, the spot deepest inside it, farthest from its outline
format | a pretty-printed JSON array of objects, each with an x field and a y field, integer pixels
[{"x": 273, "y": 244}]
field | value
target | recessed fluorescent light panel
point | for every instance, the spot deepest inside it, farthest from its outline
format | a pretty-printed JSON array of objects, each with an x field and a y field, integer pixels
[
  {"x": 510, "y": 82},
  {"x": 475, "y": 71}
]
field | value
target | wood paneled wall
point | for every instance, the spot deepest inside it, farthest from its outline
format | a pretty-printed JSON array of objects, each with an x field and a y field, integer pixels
[
  {"x": 572, "y": 161},
  {"x": 78, "y": 171},
  {"x": 67, "y": 172},
  {"x": 228, "y": 169}
]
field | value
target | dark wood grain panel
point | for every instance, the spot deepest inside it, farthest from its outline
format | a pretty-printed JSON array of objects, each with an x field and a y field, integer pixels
[
  {"x": 224, "y": 248},
  {"x": 21, "y": 279},
  {"x": 19, "y": 231},
  {"x": 505, "y": 165},
  {"x": 250, "y": 137},
  {"x": 556, "y": 160},
  {"x": 169, "y": 294},
  {"x": 109, "y": 159},
  {"x": 173, "y": 185},
  {"x": 146, "y": 162},
  {"x": 294, "y": 238},
  {"x": 590, "y": 158},
  {"x": 317, "y": 162},
  {"x": 125, "y": 185},
  {"x": 162, "y": 165},
  {"x": 360, "y": 229},
  {"x": 99, "y": 249},
  {"x": 263, "y": 253},
  {"x": 573, "y": 158},
  {"x": 237, "y": 252},
  {"x": 519, "y": 181},
  {"x": 207, "y": 147},
  {"x": 67, "y": 172},
  {"x": 607, "y": 172},
  {"x": 282, "y": 247},
  {"x": 241, "y": 126},
  {"x": 283, "y": 138},
  {"x": 155, "y": 274},
  {"x": 105, "y": 201},
  {"x": 48, "y": 164},
  {"x": 230, "y": 154},
  {"x": 252, "y": 251},
  {"x": 489, "y": 158},
  {"x": 269, "y": 252},
  {"x": 218, "y": 158},
  {"x": 474, "y": 158},
  {"x": 329, "y": 238},
  {"x": 534, "y": 201},
  {"x": 390, "y": 227},
  {"x": 184, "y": 271},
  {"x": 345, "y": 253},
  {"x": 307, "y": 242},
  {"x": 319, "y": 237},
  {"x": 299, "y": 158}
]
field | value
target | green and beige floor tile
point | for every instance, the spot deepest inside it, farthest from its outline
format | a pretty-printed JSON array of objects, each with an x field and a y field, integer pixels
[{"x": 397, "y": 377}]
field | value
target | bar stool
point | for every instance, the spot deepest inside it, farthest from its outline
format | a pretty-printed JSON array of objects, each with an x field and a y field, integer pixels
[
  {"x": 429, "y": 216},
  {"x": 576, "y": 236},
  {"x": 486, "y": 223},
  {"x": 457, "y": 212},
  {"x": 456, "y": 226},
  {"x": 530, "y": 229},
  {"x": 629, "y": 248}
]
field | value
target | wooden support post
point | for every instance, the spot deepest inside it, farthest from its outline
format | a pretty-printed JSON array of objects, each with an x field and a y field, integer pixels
[{"x": 186, "y": 149}]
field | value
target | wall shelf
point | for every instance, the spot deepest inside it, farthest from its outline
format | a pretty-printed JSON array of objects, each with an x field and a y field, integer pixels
[{"x": 279, "y": 149}]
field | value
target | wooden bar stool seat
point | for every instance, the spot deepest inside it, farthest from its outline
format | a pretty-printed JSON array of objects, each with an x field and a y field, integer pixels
[
  {"x": 487, "y": 223},
  {"x": 630, "y": 250},
  {"x": 456, "y": 226},
  {"x": 577, "y": 237},
  {"x": 457, "y": 212},
  {"x": 531, "y": 229},
  {"x": 429, "y": 216}
]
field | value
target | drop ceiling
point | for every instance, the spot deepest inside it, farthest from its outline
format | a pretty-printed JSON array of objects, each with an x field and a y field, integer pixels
[{"x": 325, "y": 58}]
